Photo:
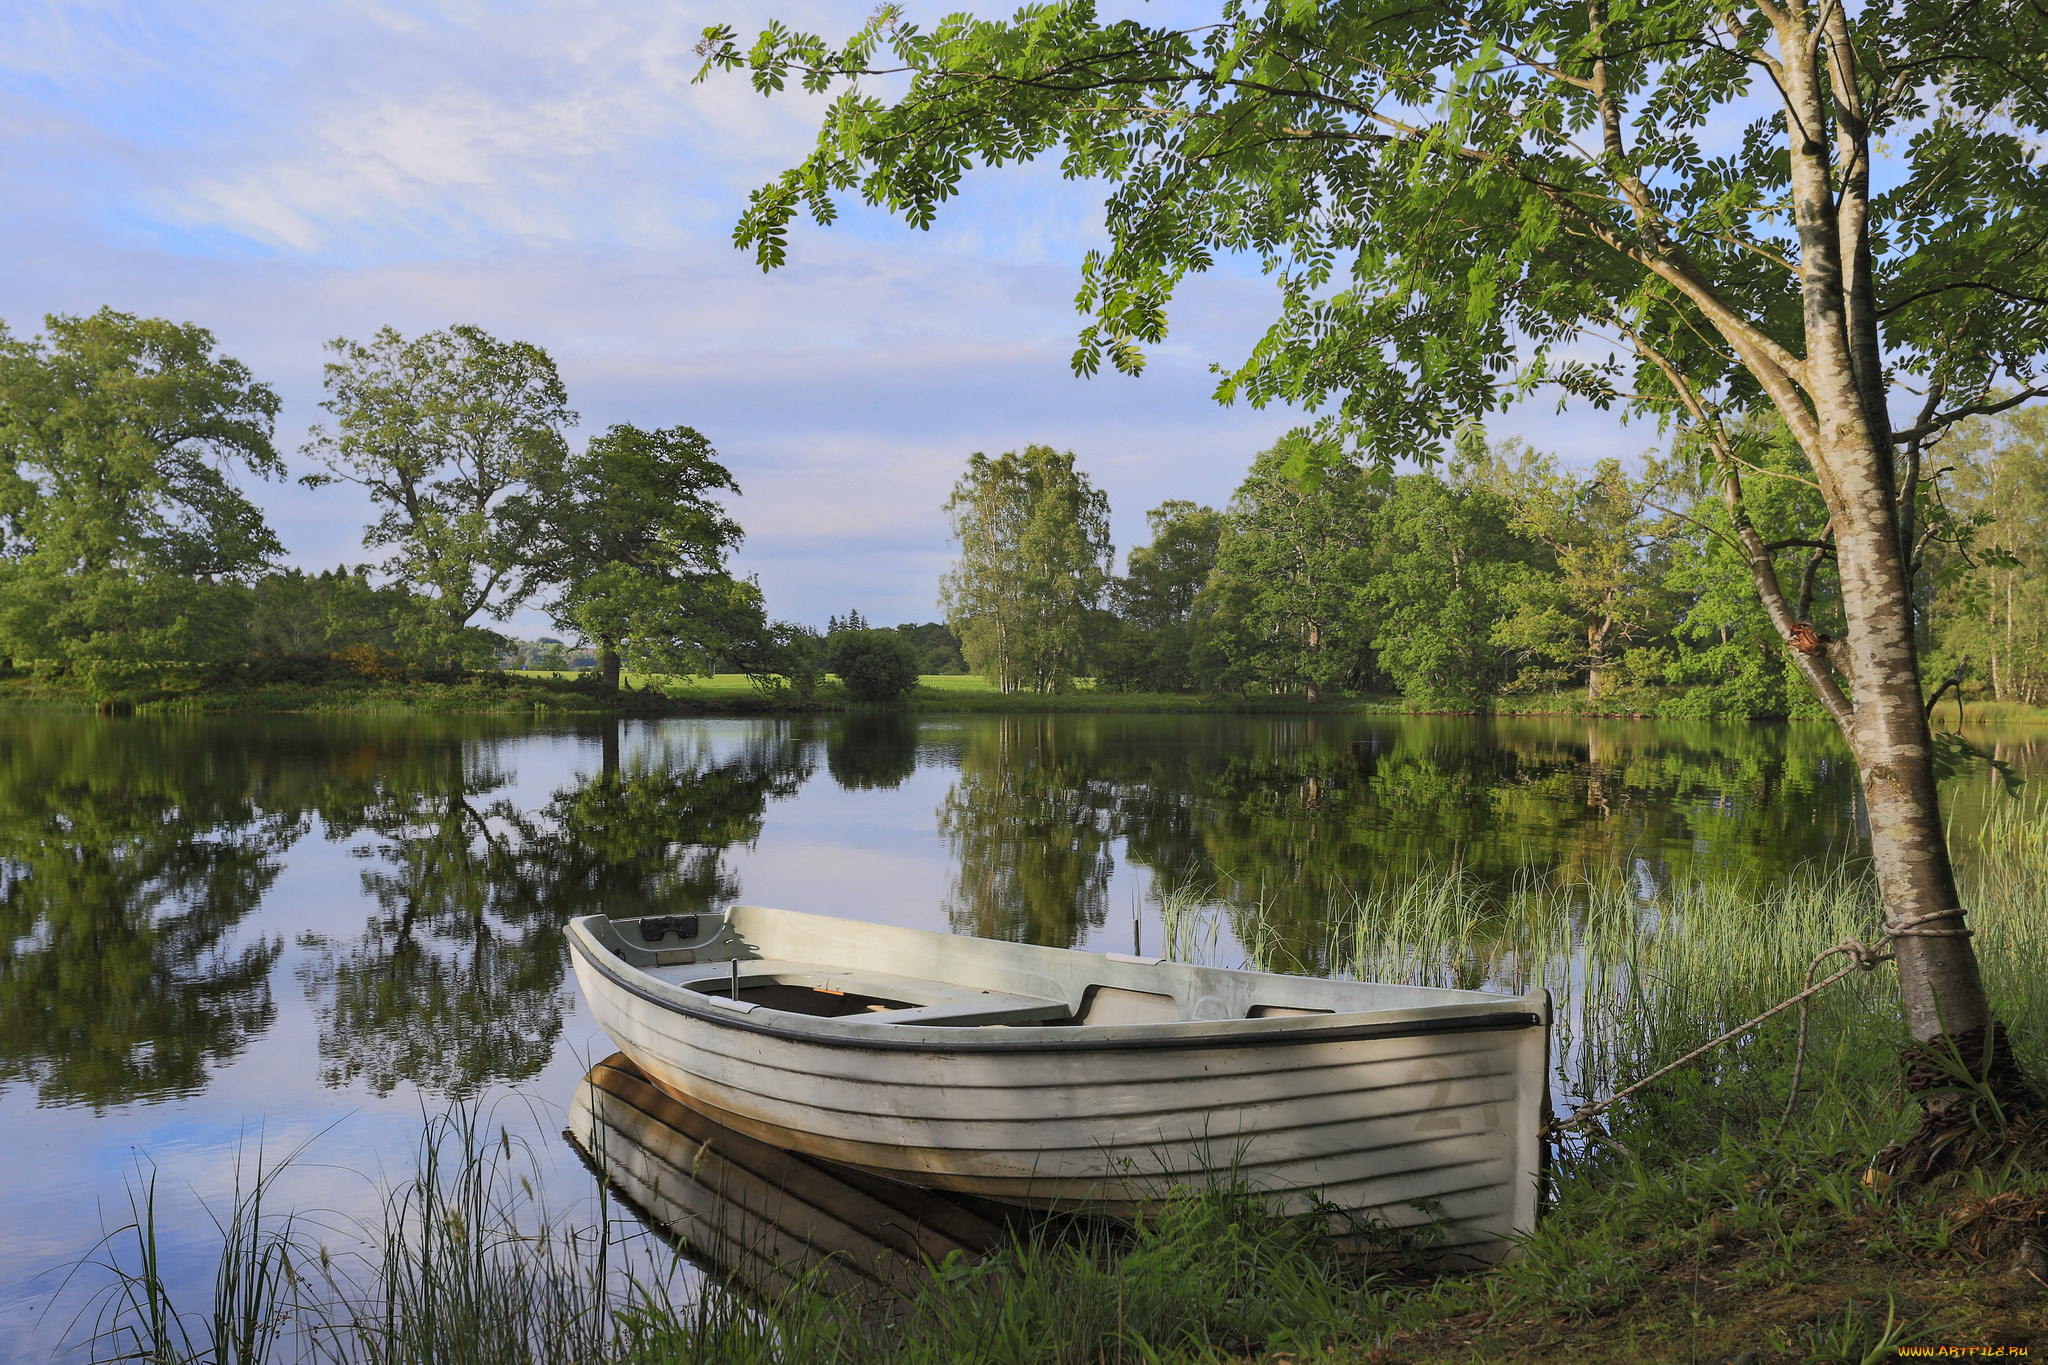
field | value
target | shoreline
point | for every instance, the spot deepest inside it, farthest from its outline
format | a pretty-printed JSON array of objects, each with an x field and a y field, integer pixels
[{"x": 545, "y": 696}]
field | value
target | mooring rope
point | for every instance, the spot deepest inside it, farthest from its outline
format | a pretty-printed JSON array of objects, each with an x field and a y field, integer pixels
[{"x": 1862, "y": 958}]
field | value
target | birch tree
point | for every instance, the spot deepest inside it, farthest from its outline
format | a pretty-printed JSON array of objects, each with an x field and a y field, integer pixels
[
  {"x": 1683, "y": 209},
  {"x": 1034, "y": 562}
]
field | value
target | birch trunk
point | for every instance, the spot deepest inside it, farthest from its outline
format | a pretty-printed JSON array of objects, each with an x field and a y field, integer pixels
[
  {"x": 1942, "y": 990},
  {"x": 1845, "y": 425}
]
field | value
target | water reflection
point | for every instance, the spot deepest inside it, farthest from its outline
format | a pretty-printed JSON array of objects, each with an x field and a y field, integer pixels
[
  {"x": 872, "y": 750},
  {"x": 1283, "y": 818},
  {"x": 307, "y": 913},
  {"x": 1285, "y": 833},
  {"x": 131, "y": 853},
  {"x": 459, "y": 980},
  {"x": 139, "y": 860},
  {"x": 1029, "y": 825},
  {"x": 128, "y": 856},
  {"x": 761, "y": 1219}
]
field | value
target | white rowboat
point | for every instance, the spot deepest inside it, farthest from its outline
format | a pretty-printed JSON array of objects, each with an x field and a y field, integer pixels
[{"x": 1053, "y": 1078}]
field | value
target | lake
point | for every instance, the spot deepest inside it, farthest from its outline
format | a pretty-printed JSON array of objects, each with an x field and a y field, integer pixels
[{"x": 306, "y": 934}]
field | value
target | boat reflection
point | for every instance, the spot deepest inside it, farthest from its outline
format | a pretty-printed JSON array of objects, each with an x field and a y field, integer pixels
[{"x": 763, "y": 1219}]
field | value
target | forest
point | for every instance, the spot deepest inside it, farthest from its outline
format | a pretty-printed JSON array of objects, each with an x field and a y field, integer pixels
[
  {"x": 1502, "y": 576},
  {"x": 133, "y": 560}
]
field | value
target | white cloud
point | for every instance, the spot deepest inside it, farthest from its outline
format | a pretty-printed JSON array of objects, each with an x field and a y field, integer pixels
[{"x": 288, "y": 174}]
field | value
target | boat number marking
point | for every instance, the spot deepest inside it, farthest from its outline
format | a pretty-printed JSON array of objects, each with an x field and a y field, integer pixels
[
  {"x": 1442, "y": 1073},
  {"x": 1435, "y": 1122}
]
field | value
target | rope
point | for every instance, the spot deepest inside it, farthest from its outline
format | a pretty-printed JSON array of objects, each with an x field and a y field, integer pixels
[
  {"x": 1861, "y": 958},
  {"x": 1911, "y": 928}
]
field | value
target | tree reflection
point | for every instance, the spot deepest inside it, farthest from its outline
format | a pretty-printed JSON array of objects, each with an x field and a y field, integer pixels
[
  {"x": 649, "y": 836},
  {"x": 1028, "y": 823},
  {"x": 133, "y": 853},
  {"x": 1282, "y": 831},
  {"x": 129, "y": 853},
  {"x": 458, "y": 981},
  {"x": 869, "y": 750},
  {"x": 1281, "y": 819}
]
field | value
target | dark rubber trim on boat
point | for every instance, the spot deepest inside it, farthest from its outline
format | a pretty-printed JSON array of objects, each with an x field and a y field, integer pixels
[{"x": 1011, "y": 1040}]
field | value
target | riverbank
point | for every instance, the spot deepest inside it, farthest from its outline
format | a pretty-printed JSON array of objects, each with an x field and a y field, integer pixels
[
  {"x": 1707, "y": 1226},
  {"x": 639, "y": 695},
  {"x": 734, "y": 694},
  {"x": 1770, "y": 1247}
]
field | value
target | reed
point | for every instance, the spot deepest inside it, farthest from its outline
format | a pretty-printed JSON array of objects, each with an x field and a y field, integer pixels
[
  {"x": 467, "y": 1266},
  {"x": 1641, "y": 974},
  {"x": 135, "y": 1315}
]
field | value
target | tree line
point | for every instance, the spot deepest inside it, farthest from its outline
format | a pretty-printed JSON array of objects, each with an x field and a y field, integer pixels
[
  {"x": 131, "y": 557},
  {"x": 1503, "y": 573},
  {"x": 1460, "y": 207}
]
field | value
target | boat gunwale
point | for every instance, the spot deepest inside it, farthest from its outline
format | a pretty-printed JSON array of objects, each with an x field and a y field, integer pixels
[{"x": 1187, "y": 1035}]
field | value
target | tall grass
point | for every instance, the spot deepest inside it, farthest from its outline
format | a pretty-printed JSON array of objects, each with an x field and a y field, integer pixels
[
  {"x": 134, "y": 1314},
  {"x": 1641, "y": 975},
  {"x": 467, "y": 1269},
  {"x": 467, "y": 1266}
]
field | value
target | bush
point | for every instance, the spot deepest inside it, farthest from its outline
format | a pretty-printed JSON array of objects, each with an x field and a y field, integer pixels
[{"x": 875, "y": 665}]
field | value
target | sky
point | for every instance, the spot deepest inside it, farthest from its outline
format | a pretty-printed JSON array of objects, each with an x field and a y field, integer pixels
[{"x": 288, "y": 174}]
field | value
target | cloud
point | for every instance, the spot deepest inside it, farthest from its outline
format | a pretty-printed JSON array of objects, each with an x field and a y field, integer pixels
[{"x": 285, "y": 175}]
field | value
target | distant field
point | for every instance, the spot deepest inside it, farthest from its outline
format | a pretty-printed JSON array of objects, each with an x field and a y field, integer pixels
[
  {"x": 569, "y": 691},
  {"x": 721, "y": 683},
  {"x": 1991, "y": 713},
  {"x": 727, "y": 684},
  {"x": 955, "y": 682}
]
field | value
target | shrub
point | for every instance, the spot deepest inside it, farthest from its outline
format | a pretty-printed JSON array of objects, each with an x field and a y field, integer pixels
[{"x": 875, "y": 665}]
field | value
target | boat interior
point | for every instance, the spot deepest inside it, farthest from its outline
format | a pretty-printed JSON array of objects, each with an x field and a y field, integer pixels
[{"x": 736, "y": 958}]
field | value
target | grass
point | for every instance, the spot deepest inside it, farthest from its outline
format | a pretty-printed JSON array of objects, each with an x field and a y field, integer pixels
[
  {"x": 1993, "y": 713},
  {"x": 1638, "y": 984},
  {"x": 1708, "y": 1227},
  {"x": 957, "y": 692},
  {"x": 573, "y": 692}
]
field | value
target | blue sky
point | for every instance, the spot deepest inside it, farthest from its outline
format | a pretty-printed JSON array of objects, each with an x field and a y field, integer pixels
[{"x": 285, "y": 174}]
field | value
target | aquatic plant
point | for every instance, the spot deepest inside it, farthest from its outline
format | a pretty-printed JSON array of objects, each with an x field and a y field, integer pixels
[
  {"x": 1706, "y": 1191},
  {"x": 1641, "y": 972}
]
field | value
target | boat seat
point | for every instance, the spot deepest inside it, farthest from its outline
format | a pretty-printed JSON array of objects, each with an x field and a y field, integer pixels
[
  {"x": 985, "y": 1007},
  {"x": 925, "y": 1001}
]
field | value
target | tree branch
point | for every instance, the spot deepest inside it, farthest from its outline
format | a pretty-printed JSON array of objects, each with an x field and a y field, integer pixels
[
  {"x": 1929, "y": 426},
  {"x": 1822, "y": 550}
]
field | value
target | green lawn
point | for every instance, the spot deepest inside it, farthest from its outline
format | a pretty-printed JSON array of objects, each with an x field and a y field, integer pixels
[
  {"x": 733, "y": 693},
  {"x": 955, "y": 682}
]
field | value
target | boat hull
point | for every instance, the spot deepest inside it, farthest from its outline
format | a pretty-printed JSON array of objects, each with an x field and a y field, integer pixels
[
  {"x": 760, "y": 1217},
  {"x": 1396, "y": 1121}
]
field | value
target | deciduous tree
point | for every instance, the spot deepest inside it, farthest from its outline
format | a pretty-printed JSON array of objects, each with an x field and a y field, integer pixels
[
  {"x": 1609, "y": 550},
  {"x": 875, "y": 665},
  {"x": 1989, "y": 602},
  {"x": 1809, "y": 208},
  {"x": 632, "y": 531},
  {"x": 1034, "y": 560},
  {"x": 444, "y": 432},
  {"x": 1286, "y": 605},
  {"x": 1446, "y": 566},
  {"x": 1154, "y": 601},
  {"x": 119, "y": 518}
]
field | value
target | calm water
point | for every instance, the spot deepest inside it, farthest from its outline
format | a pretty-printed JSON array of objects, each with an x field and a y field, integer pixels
[{"x": 220, "y": 935}]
